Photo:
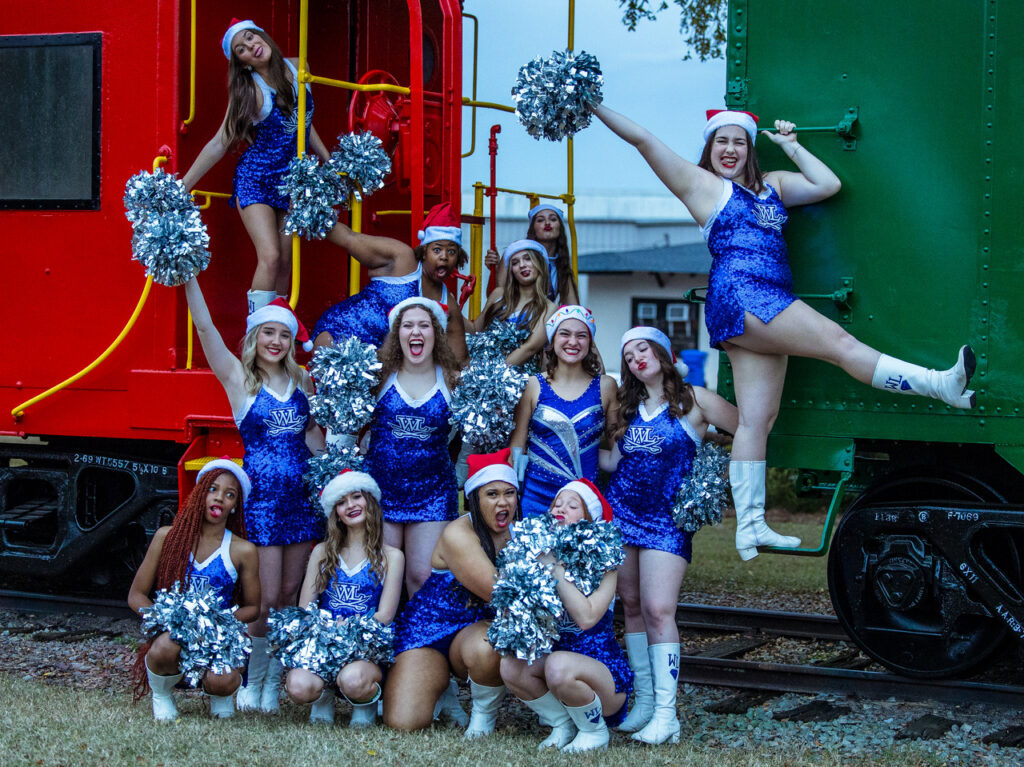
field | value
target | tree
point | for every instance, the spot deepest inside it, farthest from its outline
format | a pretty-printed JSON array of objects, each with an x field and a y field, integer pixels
[{"x": 703, "y": 23}]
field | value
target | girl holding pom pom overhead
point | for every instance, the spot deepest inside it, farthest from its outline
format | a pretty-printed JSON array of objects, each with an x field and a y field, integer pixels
[
  {"x": 561, "y": 415},
  {"x": 262, "y": 114},
  {"x": 662, "y": 419},
  {"x": 410, "y": 431},
  {"x": 522, "y": 302},
  {"x": 752, "y": 312},
  {"x": 351, "y": 572},
  {"x": 205, "y": 542},
  {"x": 443, "y": 628},
  {"x": 267, "y": 391},
  {"x": 582, "y": 686}
]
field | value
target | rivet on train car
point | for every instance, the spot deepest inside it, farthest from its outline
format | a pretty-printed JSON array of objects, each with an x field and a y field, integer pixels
[
  {"x": 984, "y": 285},
  {"x": 871, "y": 316},
  {"x": 984, "y": 266},
  {"x": 46, "y": 270},
  {"x": 17, "y": 384},
  {"x": 981, "y": 408},
  {"x": 981, "y": 422}
]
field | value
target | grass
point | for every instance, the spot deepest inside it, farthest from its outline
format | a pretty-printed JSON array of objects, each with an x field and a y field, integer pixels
[{"x": 47, "y": 725}]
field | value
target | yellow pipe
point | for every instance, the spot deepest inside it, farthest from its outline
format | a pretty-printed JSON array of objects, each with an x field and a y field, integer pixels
[
  {"x": 208, "y": 197},
  {"x": 569, "y": 195},
  {"x": 532, "y": 195},
  {"x": 19, "y": 410},
  {"x": 395, "y": 212},
  {"x": 357, "y": 226},
  {"x": 476, "y": 240},
  {"x": 191, "y": 70},
  {"x": 158, "y": 161},
  {"x": 468, "y": 102},
  {"x": 305, "y": 77},
  {"x": 188, "y": 343},
  {"x": 472, "y": 130},
  {"x": 300, "y": 138}
]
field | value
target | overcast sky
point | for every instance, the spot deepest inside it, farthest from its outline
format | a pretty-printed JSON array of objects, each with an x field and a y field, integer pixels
[{"x": 645, "y": 78}]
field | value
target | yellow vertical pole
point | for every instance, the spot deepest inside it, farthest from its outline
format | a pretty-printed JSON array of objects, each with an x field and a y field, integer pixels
[
  {"x": 356, "y": 203},
  {"x": 300, "y": 133},
  {"x": 570, "y": 197},
  {"x": 476, "y": 242}
]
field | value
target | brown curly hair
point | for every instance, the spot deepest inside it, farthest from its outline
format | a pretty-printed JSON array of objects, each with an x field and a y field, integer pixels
[
  {"x": 337, "y": 534},
  {"x": 391, "y": 357},
  {"x": 242, "y": 91},
  {"x": 181, "y": 541},
  {"x": 632, "y": 392},
  {"x": 753, "y": 178}
]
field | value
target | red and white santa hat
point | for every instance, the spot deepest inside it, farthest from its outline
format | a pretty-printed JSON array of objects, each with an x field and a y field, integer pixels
[
  {"x": 228, "y": 464},
  {"x": 570, "y": 312},
  {"x": 441, "y": 223},
  {"x": 597, "y": 506},
  {"x": 237, "y": 25},
  {"x": 648, "y": 333},
  {"x": 489, "y": 467},
  {"x": 348, "y": 481},
  {"x": 440, "y": 311},
  {"x": 278, "y": 310},
  {"x": 718, "y": 118}
]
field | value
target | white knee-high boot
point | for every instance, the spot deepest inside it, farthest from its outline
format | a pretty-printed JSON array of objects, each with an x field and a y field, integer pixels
[
  {"x": 449, "y": 705},
  {"x": 257, "y": 299},
  {"x": 222, "y": 706},
  {"x": 270, "y": 697},
  {"x": 664, "y": 725},
  {"x": 950, "y": 386},
  {"x": 643, "y": 692},
  {"x": 748, "y": 483},
  {"x": 161, "y": 688},
  {"x": 364, "y": 714},
  {"x": 249, "y": 694},
  {"x": 592, "y": 731},
  {"x": 322, "y": 710},
  {"x": 484, "y": 713},
  {"x": 550, "y": 709}
]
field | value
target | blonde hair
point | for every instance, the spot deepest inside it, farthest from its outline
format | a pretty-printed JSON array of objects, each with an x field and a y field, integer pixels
[
  {"x": 506, "y": 304},
  {"x": 250, "y": 364},
  {"x": 337, "y": 535}
]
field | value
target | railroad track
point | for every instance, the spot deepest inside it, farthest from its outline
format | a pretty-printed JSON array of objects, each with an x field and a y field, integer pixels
[{"x": 32, "y": 602}]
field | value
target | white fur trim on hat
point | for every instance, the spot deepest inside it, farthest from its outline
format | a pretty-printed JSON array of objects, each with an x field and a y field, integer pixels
[
  {"x": 520, "y": 245},
  {"x": 570, "y": 312},
  {"x": 274, "y": 312},
  {"x": 597, "y": 506},
  {"x": 234, "y": 29},
  {"x": 493, "y": 473},
  {"x": 545, "y": 206},
  {"x": 427, "y": 303},
  {"x": 228, "y": 465},
  {"x": 438, "y": 233},
  {"x": 729, "y": 117},
  {"x": 347, "y": 482},
  {"x": 647, "y": 333}
]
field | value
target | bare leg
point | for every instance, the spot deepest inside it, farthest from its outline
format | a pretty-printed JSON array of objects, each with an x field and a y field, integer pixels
[
  {"x": 758, "y": 380},
  {"x": 271, "y": 558},
  {"x": 629, "y": 591},
  {"x": 575, "y": 679},
  {"x": 293, "y": 567},
  {"x": 261, "y": 223},
  {"x": 661, "y": 576},
  {"x": 420, "y": 539},
  {"x": 525, "y": 680},
  {"x": 358, "y": 680},
  {"x": 415, "y": 684},
  {"x": 471, "y": 655},
  {"x": 303, "y": 686},
  {"x": 163, "y": 656}
]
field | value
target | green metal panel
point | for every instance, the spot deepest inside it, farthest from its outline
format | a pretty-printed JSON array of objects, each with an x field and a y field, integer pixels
[{"x": 928, "y": 224}]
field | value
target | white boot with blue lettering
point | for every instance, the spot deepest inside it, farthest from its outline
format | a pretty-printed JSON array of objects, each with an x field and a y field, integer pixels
[
  {"x": 484, "y": 713},
  {"x": 592, "y": 731},
  {"x": 249, "y": 694},
  {"x": 551, "y": 711},
  {"x": 748, "y": 480},
  {"x": 257, "y": 299},
  {"x": 364, "y": 714},
  {"x": 448, "y": 705},
  {"x": 664, "y": 725},
  {"x": 643, "y": 691},
  {"x": 950, "y": 386},
  {"x": 162, "y": 688},
  {"x": 322, "y": 710}
]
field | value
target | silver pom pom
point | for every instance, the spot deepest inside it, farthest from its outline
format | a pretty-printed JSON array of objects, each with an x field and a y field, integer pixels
[
  {"x": 211, "y": 638},
  {"x": 362, "y": 158},
  {"x": 345, "y": 375},
  {"x": 314, "y": 190},
  {"x": 323, "y": 467},
  {"x": 484, "y": 402},
  {"x": 588, "y": 550},
  {"x": 363, "y": 637},
  {"x": 497, "y": 340},
  {"x": 169, "y": 237},
  {"x": 704, "y": 492},
  {"x": 527, "y": 609},
  {"x": 553, "y": 96}
]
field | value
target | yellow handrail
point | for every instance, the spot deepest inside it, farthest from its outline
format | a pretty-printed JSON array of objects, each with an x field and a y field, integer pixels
[
  {"x": 208, "y": 197},
  {"x": 468, "y": 102},
  {"x": 472, "y": 130},
  {"x": 19, "y": 410},
  {"x": 476, "y": 240},
  {"x": 346, "y": 85},
  {"x": 191, "y": 71}
]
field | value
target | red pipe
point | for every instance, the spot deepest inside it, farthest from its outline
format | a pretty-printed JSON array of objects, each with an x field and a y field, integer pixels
[
  {"x": 451, "y": 114},
  {"x": 418, "y": 123},
  {"x": 492, "y": 192}
]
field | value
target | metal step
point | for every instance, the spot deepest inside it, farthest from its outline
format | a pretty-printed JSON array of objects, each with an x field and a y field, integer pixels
[{"x": 26, "y": 513}]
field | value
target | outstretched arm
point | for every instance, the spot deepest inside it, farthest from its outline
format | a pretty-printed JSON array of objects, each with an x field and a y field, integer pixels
[
  {"x": 695, "y": 187},
  {"x": 383, "y": 254},
  {"x": 209, "y": 156},
  {"x": 815, "y": 181},
  {"x": 223, "y": 363},
  {"x": 716, "y": 410}
]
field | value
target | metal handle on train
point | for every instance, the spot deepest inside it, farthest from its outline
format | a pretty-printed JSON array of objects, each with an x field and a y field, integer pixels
[{"x": 843, "y": 128}]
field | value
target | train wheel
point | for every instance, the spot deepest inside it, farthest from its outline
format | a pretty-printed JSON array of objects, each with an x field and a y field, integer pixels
[
  {"x": 898, "y": 598},
  {"x": 376, "y": 111}
]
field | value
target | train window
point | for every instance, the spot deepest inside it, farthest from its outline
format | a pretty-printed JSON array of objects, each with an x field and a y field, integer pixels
[
  {"x": 50, "y": 130},
  {"x": 672, "y": 317},
  {"x": 429, "y": 57}
]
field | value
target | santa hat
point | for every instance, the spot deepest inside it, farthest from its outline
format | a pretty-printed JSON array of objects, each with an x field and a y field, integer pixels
[
  {"x": 647, "y": 333},
  {"x": 489, "y": 467},
  {"x": 347, "y": 482},
  {"x": 721, "y": 117},
  {"x": 440, "y": 311},
  {"x": 441, "y": 223},
  {"x": 278, "y": 310},
  {"x": 520, "y": 245},
  {"x": 597, "y": 507},
  {"x": 228, "y": 464},
  {"x": 237, "y": 26},
  {"x": 544, "y": 206},
  {"x": 570, "y": 312}
]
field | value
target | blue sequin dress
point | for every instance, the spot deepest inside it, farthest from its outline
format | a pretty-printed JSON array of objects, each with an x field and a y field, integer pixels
[
  {"x": 563, "y": 443},
  {"x": 265, "y": 161},
  {"x": 273, "y": 429},
  {"x": 217, "y": 571},
  {"x": 408, "y": 454},
  {"x": 352, "y": 592},
  {"x": 365, "y": 315},
  {"x": 750, "y": 266},
  {"x": 657, "y": 454},
  {"x": 436, "y": 613}
]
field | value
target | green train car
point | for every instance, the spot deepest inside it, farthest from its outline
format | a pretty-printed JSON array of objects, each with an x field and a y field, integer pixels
[{"x": 917, "y": 108}]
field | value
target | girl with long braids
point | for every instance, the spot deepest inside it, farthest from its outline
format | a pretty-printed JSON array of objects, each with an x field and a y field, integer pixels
[
  {"x": 206, "y": 540},
  {"x": 351, "y": 572},
  {"x": 661, "y": 421},
  {"x": 443, "y": 628}
]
